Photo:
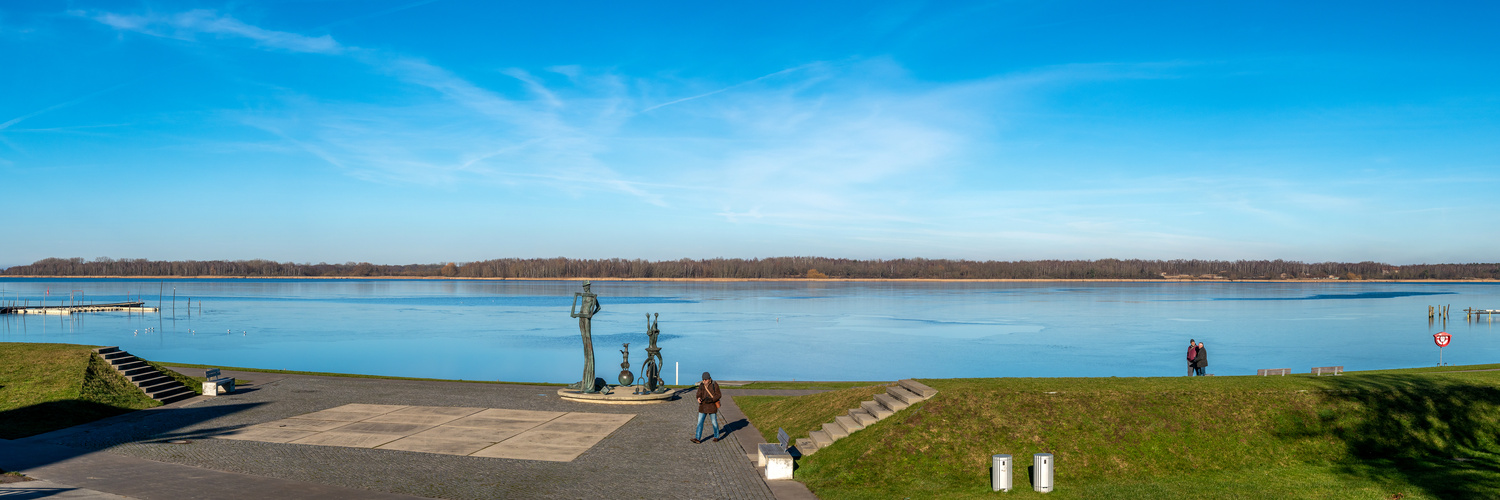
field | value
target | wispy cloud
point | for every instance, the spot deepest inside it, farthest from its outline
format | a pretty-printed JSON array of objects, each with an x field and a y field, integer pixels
[
  {"x": 856, "y": 147},
  {"x": 732, "y": 87},
  {"x": 191, "y": 24}
]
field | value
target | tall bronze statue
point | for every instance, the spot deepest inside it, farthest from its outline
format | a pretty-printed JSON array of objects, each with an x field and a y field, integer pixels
[
  {"x": 585, "y": 317},
  {"x": 651, "y": 369}
]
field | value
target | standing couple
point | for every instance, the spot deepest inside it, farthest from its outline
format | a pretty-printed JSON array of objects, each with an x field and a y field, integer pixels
[{"x": 1197, "y": 358}]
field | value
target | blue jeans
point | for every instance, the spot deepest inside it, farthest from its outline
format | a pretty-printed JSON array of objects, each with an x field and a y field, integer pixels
[{"x": 715, "y": 417}]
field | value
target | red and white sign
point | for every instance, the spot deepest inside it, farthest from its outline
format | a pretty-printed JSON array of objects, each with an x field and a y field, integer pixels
[{"x": 1441, "y": 338}]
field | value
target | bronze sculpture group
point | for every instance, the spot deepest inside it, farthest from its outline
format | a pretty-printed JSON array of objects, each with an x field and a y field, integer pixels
[{"x": 651, "y": 381}]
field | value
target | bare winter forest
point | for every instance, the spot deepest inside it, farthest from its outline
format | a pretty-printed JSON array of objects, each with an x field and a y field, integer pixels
[{"x": 776, "y": 267}]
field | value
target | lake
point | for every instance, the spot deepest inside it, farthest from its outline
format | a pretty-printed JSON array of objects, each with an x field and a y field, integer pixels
[{"x": 520, "y": 330}]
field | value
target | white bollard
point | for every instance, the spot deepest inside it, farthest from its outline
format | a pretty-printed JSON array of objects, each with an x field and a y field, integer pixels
[
  {"x": 676, "y": 373},
  {"x": 1000, "y": 472},
  {"x": 1041, "y": 479}
]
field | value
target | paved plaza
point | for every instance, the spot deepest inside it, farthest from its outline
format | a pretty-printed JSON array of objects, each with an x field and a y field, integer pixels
[
  {"x": 426, "y": 439},
  {"x": 477, "y": 432}
]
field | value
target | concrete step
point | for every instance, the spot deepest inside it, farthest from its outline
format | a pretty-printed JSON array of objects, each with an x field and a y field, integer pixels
[
  {"x": 139, "y": 370},
  {"x": 820, "y": 438},
  {"x": 908, "y": 397},
  {"x": 151, "y": 382},
  {"x": 876, "y": 409},
  {"x": 806, "y": 446},
  {"x": 892, "y": 404},
  {"x": 918, "y": 388},
  {"x": 173, "y": 397},
  {"x": 835, "y": 431},
  {"x": 863, "y": 417},
  {"x": 162, "y": 388},
  {"x": 140, "y": 379},
  {"x": 116, "y": 357},
  {"x": 848, "y": 423}
]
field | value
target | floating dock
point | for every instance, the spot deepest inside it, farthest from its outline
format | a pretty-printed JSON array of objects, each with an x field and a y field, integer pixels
[{"x": 60, "y": 310}]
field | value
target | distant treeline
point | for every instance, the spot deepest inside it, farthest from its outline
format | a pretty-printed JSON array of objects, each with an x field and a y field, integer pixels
[{"x": 776, "y": 267}]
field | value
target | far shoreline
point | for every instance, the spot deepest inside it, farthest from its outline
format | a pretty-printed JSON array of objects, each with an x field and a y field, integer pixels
[{"x": 774, "y": 280}]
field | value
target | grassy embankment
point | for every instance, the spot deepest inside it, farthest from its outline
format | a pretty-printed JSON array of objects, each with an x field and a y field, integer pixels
[
  {"x": 45, "y": 387},
  {"x": 1422, "y": 433}
]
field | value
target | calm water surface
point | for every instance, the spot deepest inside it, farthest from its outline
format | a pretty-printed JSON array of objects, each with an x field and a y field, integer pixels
[{"x": 520, "y": 331}]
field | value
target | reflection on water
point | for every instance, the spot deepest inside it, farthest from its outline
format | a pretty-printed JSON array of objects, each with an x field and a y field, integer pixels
[{"x": 520, "y": 330}]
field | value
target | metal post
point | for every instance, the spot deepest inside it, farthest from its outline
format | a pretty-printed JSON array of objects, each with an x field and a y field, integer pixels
[
  {"x": 1000, "y": 472},
  {"x": 676, "y": 373}
]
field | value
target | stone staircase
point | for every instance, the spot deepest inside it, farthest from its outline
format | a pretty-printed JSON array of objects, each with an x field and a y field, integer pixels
[
  {"x": 896, "y": 398},
  {"x": 155, "y": 384}
]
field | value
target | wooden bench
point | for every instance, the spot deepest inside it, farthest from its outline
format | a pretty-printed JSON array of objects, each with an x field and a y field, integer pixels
[
  {"x": 213, "y": 382},
  {"x": 1266, "y": 372},
  {"x": 1320, "y": 370},
  {"x": 776, "y": 457}
]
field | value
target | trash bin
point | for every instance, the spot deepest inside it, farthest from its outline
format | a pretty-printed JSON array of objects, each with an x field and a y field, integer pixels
[
  {"x": 1041, "y": 466},
  {"x": 1000, "y": 472}
]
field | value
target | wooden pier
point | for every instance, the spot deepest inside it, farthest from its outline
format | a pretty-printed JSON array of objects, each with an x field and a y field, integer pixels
[
  {"x": 117, "y": 306},
  {"x": 1471, "y": 312}
]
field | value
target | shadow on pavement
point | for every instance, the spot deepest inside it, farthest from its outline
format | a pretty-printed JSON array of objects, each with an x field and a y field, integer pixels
[
  {"x": 730, "y": 427},
  {"x": 43, "y": 417},
  {"x": 153, "y": 425},
  {"x": 24, "y": 493}
]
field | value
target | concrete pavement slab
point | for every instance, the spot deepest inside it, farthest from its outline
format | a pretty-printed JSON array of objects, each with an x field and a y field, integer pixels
[
  {"x": 347, "y": 439},
  {"x": 369, "y": 408},
  {"x": 489, "y": 436},
  {"x": 304, "y": 424},
  {"x": 426, "y": 444},
  {"x": 407, "y": 418},
  {"x": 266, "y": 434},
  {"x": 337, "y": 415},
  {"x": 398, "y": 430}
]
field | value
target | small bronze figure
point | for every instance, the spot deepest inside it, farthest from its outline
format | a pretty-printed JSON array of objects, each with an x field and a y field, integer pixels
[{"x": 626, "y": 378}]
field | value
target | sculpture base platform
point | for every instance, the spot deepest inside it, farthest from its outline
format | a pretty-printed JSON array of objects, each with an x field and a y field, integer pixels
[{"x": 621, "y": 396}]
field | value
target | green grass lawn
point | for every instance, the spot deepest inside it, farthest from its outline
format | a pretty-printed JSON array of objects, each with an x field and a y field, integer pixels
[
  {"x": 826, "y": 386},
  {"x": 1391, "y": 434},
  {"x": 45, "y": 387}
]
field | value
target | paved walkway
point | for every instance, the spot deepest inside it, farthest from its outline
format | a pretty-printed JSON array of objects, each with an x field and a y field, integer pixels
[
  {"x": 647, "y": 457},
  {"x": 52, "y": 491}
]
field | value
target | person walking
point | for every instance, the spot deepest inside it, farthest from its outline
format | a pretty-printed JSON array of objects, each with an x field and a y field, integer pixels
[
  {"x": 708, "y": 405},
  {"x": 1202, "y": 359},
  {"x": 1192, "y": 355}
]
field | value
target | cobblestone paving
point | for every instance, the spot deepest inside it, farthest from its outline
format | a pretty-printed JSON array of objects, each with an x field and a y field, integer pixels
[{"x": 649, "y": 457}]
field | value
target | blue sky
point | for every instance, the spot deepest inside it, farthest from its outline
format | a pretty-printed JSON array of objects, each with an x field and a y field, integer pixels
[{"x": 446, "y": 130}]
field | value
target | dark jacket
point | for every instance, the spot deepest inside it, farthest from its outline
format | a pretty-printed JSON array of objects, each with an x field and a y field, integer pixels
[
  {"x": 1202, "y": 360},
  {"x": 708, "y": 394},
  {"x": 1192, "y": 355}
]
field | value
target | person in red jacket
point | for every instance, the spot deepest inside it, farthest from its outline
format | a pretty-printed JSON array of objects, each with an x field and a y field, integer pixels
[
  {"x": 1192, "y": 355},
  {"x": 708, "y": 405}
]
